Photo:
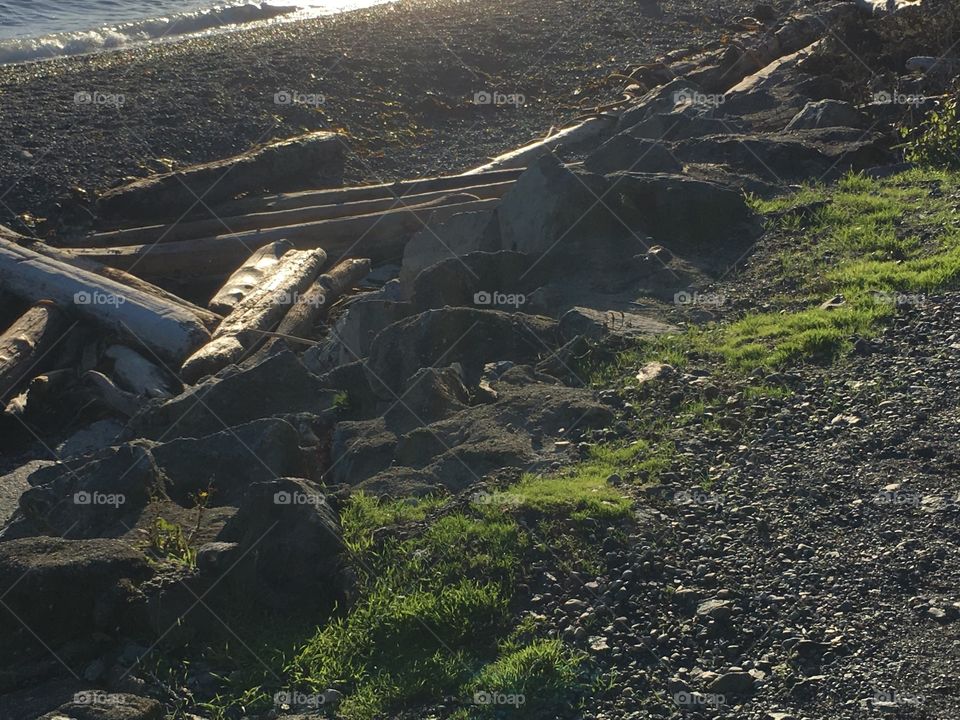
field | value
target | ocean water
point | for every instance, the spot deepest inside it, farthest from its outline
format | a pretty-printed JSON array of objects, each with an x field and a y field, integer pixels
[{"x": 41, "y": 29}]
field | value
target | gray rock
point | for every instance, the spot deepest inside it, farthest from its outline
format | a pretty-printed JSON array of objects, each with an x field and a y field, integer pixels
[
  {"x": 625, "y": 152},
  {"x": 827, "y": 113},
  {"x": 453, "y": 335},
  {"x": 292, "y": 547},
  {"x": 100, "y": 705},
  {"x": 58, "y": 590},
  {"x": 662, "y": 99},
  {"x": 253, "y": 452},
  {"x": 736, "y": 683},
  {"x": 350, "y": 337},
  {"x": 458, "y": 235},
  {"x": 488, "y": 280},
  {"x": 277, "y": 385}
]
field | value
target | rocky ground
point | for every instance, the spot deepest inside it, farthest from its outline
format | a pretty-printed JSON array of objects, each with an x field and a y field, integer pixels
[
  {"x": 400, "y": 79},
  {"x": 646, "y": 446}
]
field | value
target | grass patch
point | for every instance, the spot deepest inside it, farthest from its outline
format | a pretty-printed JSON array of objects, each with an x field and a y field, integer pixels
[{"x": 363, "y": 514}]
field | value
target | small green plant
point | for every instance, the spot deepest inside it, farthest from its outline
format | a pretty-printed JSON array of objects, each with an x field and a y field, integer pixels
[
  {"x": 169, "y": 542},
  {"x": 341, "y": 402},
  {"x": 936, "y": 142}
]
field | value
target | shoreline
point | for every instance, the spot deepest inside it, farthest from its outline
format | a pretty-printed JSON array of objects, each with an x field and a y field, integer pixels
[{"x": 399, "y": 79}]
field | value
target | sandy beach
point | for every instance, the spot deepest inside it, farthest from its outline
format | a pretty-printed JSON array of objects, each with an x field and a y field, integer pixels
[{"x": 401, "y": 80}]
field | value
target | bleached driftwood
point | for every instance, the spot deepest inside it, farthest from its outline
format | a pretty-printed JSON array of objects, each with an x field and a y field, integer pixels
[
  {"x": 380, "y": 237},
  {"x": 384, "y": 191},
  {"x": 167, "y": 329},
  {"x": 325, "y": 291},
  {"x": 313, "y": 158},
  {"x": 134, "y": 373},
  {"x": 261, "y": 310},
  {"x": 926, "y": 63},
  {"x": 589, "y": 129},
  {"x": 24, "y": 344},
  {"x": 276, "y": 219},
  {"x": 250, "y": 274},
  {"x": 884, "y": 7}
]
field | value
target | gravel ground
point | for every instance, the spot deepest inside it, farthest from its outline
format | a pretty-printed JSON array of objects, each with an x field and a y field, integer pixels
[
  {"x": 802, "y": 561},
  {"x": 401, "y": 79}
]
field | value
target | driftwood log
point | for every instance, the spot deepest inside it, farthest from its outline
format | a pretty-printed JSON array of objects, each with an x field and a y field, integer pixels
[
  {"x": 25, "y": 343},
  {"x": 313, "y": 198},
  {"x": 312, "y": 159},
  {"x": 380, "y": 237},
  {"x": 163, "y": 327},
  {"x": 589, "y": 129},
  {"x": 276, "y": 219},
  {"x": 325, "y": 291},
  {"x": 248, "y": 276},
  {"x": 210, "y": 320},
  {"x": 261, "y": 310}
]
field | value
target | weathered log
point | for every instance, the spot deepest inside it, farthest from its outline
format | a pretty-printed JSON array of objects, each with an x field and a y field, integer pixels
[
  {"x": 281, "y": 218},
  {"x": 209, "y": 319},
  {"x": 325, "y": 291},
  {"x": 927, "y": 63},
  {"x": 25, "y": 343},
  {"x": 384, "y": 191},
  {"x": 587, "y": 130},
  {"x": 167, "y": 329},
  {"x": 262, "y": 309},
  {"x": 136, "y": 374},
  {"x": 379, "y": 236},
  {"x": 248, "y": 276},
  {"x": 105, "y": 391},
  {"x": 311, "y": 159}
]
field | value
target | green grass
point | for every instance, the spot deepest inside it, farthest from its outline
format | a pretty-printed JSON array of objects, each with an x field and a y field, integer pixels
[
  {"x": 869, "y": 239},
  {"x": 364, "y": 514}
]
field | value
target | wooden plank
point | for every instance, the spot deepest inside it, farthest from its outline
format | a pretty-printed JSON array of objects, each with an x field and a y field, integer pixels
[{"x": 24, "y": 344}]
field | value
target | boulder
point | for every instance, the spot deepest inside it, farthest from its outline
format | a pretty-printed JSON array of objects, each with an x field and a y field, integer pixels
[
  {"x": 100, "y": 705},
  {"x": 496, "y": 280},
  {"x": 291, "y": 545},
  {"x": 827, "y": 113},
  {"x": 789, "y": 156},
  {"x": 256, "y": 451},
  {"x": 549, "y": 205},
  {"x": 679, "y": 212},
  {"x": 457, "y": 235},
  {"x": 58, "y": 591},
  {"x": 275, "y": 386},
  {"x": 432, "y": 394},
  {"x": 467, "y": 336},
  {"x": 93, "y": 496},
  {"x": 625, "y": 152},
  {"x": 13, "y": 485},
  {"x": 597, "y": 324},
  {"x": 360, "y": 449},
  {"x": 350, "y": 337},
  {"x": 680, "y": 125}
]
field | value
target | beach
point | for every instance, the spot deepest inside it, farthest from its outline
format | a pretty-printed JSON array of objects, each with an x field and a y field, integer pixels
[{"x": 418, "y": 88}]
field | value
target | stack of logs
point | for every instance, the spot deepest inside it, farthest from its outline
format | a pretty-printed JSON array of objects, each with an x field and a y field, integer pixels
[
  {"x": 265, "y": 257},
  {"x": 266, "y": 253}
]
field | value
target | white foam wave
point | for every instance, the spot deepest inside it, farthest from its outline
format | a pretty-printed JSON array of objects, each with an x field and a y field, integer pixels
[{"x": 76, "y": 43}]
